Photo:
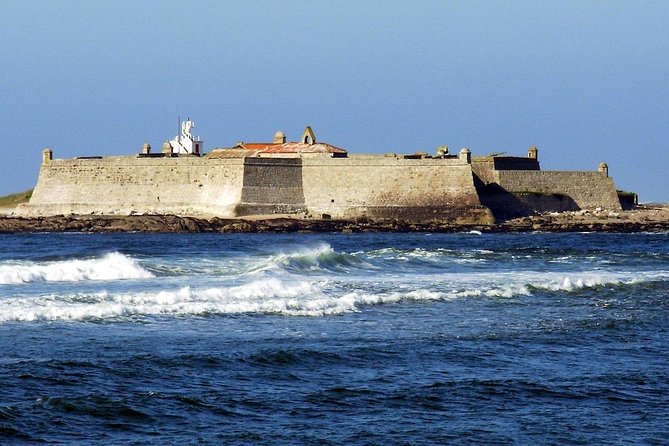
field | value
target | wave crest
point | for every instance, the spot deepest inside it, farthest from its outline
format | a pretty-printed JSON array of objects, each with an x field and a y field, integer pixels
[
  {"x": 285, "y": 294},
  {"x": 322, "y": 258},
  {"x": 112, "y": 266}
]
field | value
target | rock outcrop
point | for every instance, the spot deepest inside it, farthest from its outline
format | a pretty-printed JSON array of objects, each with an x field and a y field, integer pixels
[{"x": 645, "y": 218}]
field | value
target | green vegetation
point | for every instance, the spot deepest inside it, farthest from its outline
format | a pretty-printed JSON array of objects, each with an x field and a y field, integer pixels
[{"x": 10, "y": 201}]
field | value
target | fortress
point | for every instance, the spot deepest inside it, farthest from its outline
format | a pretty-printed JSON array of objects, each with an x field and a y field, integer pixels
[{"x": 312, "y": 179}]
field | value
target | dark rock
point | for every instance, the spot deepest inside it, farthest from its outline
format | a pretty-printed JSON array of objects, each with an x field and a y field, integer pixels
[{"x": 173, "y": 223}]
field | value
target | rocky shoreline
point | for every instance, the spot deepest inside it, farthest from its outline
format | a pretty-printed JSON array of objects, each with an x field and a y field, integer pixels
[{"x": 642, "y": 219}]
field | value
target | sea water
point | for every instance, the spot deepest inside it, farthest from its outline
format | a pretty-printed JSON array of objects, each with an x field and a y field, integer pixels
[{"x": 354, "y": 339}]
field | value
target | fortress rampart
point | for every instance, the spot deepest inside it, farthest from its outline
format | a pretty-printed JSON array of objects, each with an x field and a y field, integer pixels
[
  {"x": 512, "y": 186},
  {"x": 587, "y": 189},
  {"x": 390, "y": 187},
  {"x": 316, "y": 185},
  {"x": 124, "y": 185},
  {"x": 307, "y": 179}
]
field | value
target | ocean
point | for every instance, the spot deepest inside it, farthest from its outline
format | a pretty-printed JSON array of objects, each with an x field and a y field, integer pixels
[{"x": 329, "y": 339}]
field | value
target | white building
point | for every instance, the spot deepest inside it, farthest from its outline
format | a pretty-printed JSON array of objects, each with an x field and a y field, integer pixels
[{"x": 185, "y": 143}]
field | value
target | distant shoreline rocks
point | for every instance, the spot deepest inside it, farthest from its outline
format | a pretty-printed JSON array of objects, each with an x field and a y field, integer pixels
[{"x": 652, "y": 218}]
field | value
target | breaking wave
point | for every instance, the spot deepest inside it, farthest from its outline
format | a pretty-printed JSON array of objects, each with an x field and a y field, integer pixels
[
  {"x": 319, "y": 258},
  {"x": 525, "y": 283},
  {"x": 274, "y": 296},
  {"x": 112, "y": 266},
  {"x": 263, "y": 296}
]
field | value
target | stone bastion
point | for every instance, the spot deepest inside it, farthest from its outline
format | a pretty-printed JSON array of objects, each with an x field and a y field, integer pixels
[{"x": 309, "y": 179}]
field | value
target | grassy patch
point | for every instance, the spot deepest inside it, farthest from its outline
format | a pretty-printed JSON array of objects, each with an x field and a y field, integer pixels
[{"x": 13, "y": 200}]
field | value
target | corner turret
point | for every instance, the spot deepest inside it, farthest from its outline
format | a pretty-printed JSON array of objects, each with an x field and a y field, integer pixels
[
  {"x": 465, "y": 155},
  {"x": 47, "y": 155},
  {"x": 604, "y": 169}
]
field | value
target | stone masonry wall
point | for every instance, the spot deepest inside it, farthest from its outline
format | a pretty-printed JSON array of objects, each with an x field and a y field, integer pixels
[
  {"x": 318, "y": 185},
  {"x": 360, "y": 186},
  {"x": 484, "y": 169},
  {"x": 389, "y": 187},
  {"x": 123, "y": 185},
  {"x": 588, "y": 189},
  {"x": 272, "y": 185}
]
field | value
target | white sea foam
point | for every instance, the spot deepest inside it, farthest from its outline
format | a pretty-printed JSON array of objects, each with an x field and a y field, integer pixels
[
  {"x": 194, "y": 303},
  {"x": 394, "y": 254},
  {"x": 521, "y": 283},
  {"x": 300, "y": 297},
  {"x": 509, "y": 284},
  {"x": 266, "y": 296},
  {"x": 111, "y": 266},
  {"x": 526, "y": 283},
  {"x": 263, "y": 296},
  {"x": 574, "y": 283}
]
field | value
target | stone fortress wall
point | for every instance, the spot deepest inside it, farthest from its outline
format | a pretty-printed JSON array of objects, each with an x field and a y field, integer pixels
[
  {"x": 588, "y": 190},
  {"x": 391, "y": 187},
  {"x": 512, "y": 186},
  {"x": 313, "y": 180},
  {"x": 316, "y": 185},
  {"x": 125, "y": 185},
  {"x": 272, "y": 185}
]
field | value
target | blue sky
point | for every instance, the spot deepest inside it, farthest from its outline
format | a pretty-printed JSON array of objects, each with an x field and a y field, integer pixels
[{"x": 585, "y": 81}]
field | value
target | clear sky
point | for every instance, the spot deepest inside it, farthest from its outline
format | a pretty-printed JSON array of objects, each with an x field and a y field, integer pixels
[{"x": 585, "y": 81}]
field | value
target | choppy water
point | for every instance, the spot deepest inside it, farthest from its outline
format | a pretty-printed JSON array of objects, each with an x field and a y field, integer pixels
[{"x": 334, "y": 339}]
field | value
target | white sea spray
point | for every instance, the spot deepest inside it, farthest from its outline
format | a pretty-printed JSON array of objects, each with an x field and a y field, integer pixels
[
  {"x": 112, "y": 266},
  {"x": 313, "y": 280}
]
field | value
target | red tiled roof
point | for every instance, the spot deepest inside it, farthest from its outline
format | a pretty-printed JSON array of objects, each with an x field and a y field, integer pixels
[
  {"x": 257, "y": 145},
  {"x": 290, "y": 147}
]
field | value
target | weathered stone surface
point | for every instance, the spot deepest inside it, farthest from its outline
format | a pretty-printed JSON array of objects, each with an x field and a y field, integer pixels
[
  {"x": 451, "y": 190},
  {"x": 588, "y": 190},
  {"x": 313, "y": 185},
  {"x": 512, "y": 187},
  {"x": 389, "y": 187},
  {"x": 125, "y": 185}
]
